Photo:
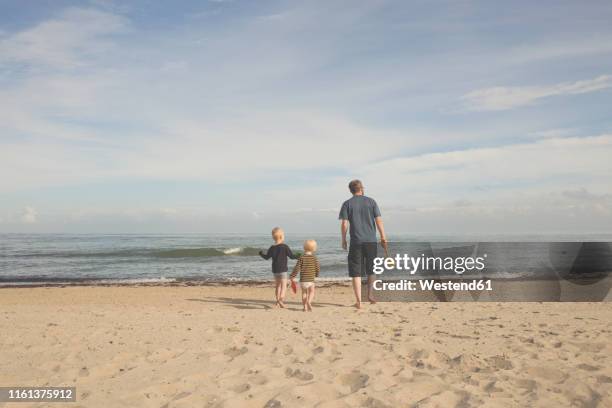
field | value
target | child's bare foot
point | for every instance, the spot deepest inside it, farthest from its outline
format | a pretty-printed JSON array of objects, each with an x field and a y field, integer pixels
[
  {"x": 309, "y": 307},
  {"x": 357, "y": 305},
  {"x": 276, "y": 305},
  {"x": 281, "y": 304}
]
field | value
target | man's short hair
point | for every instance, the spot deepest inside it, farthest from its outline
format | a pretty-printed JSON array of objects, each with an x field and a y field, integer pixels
[{"x": 355, "y": 186}]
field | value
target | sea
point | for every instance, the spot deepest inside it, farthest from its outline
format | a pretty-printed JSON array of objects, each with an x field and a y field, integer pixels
[{"x": 32, "y": 259}]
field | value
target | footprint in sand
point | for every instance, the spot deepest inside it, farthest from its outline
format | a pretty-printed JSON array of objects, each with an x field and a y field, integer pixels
[
  {"x": 587, "y": 367},
  {"x": 491, "y": 388},
  {"x": 234, "y": 351},
  {"x": 418, "y": 354},
  {"x": 375, "y": 403},
  {"x": 581, "y": 395},
  {"x": 299, "y": 374},
  {"x": 526, "y": 385},
  {"x": 241, "y": 388},
  {"x": 448, "y": 398},
  {"x": 273, "y": 403},
  {"x": 181, "y": 395},
  {"x": 355, "y": 380},
  {"x": 549, "y": 374},
  {"x": 500, "y": 363},
  {"x": 256, "y": 377}
]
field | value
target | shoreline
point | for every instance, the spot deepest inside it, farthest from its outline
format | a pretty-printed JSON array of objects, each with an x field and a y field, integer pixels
[
  {"x": 169, "y": 282},
  {"x": 254, "y": 282},
  {"x": 501, "y": 290}
]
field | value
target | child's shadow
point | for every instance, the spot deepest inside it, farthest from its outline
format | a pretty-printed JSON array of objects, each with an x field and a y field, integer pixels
[
  {"x": 237, "y": 303},
  {"x": 257, "y": 304}
]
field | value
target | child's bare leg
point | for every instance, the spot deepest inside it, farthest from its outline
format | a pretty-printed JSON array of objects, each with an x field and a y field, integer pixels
[
  {"x": 311, "y": 293},
  {"x": 283, "y": 291},
  {"x": 305, "y": 299},
  {"x": 277, "y": 292}
]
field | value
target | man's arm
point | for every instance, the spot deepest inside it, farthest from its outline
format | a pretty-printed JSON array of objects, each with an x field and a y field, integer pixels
[
  {"x": 343, "y": 229},
  {"x": 381, "y": 229}
]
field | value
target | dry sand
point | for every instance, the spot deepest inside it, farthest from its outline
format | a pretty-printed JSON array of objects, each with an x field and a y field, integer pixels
[{"x": 202, "y": 346}]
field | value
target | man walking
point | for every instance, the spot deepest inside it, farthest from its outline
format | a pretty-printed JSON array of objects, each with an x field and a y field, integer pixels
[{"x": 362, "y": 216}]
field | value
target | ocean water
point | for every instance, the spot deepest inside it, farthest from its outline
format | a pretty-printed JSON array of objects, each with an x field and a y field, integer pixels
[{"x": 49, "y": 258}]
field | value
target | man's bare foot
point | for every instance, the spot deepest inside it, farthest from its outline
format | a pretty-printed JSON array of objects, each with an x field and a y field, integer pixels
[
  {"x": 309, "y": 307},
  {"x": 357, "y": 305},
  {"x": 372, "y": 301},
  {"x": 276, "y": 305},
  {"x": 281, "y": 304}
]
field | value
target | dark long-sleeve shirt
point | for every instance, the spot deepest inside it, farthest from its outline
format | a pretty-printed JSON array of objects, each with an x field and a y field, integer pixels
[
  {"x": 308, "y": 267},
  {"x": 279, "y": 254}
]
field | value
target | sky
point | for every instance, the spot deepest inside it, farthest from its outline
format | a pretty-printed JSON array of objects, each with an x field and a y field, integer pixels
[{"x": 237, "y": 116}]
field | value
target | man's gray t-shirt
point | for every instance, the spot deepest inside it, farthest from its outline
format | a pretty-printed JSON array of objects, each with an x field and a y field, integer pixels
[{"x": 361, "y": 212}]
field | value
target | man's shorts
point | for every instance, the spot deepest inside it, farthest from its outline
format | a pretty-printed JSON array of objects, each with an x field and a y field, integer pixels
[{"x": 361, "y": 259}]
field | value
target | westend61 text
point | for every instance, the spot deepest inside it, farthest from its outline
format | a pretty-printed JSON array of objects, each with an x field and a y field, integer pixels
[{"x": 430, "y": 284}]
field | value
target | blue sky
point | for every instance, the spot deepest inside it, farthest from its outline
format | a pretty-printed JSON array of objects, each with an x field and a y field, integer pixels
[{"x": 235, "y": 116}]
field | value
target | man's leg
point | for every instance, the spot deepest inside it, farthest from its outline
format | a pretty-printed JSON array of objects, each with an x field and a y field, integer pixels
[
  {"x": 357, "y": 291},
  {"x": 371, "y": 298},
  {"x": 354, "y": 266},
  {"x": 370, "y": 251}
]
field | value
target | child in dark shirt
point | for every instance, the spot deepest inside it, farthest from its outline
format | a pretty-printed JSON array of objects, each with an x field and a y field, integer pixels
[{"x": 279, "y": 252}]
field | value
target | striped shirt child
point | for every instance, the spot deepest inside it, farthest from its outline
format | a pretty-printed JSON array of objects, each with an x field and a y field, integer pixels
[{"x": 308, "y": 267}]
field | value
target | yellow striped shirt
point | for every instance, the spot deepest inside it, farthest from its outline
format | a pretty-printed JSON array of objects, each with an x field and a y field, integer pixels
[{"x": 308, "y": 267}]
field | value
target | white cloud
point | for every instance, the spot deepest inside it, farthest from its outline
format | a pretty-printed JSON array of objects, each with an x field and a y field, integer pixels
[
  {"x": 502, "y": 181},
  {"x": 29, "y": 215},
  {"x": 63, "y": 42},
  {"x": 503, "y": 98},
  {"x": 252, "y": 99},
  {"x": 555, "y": 133},
  {"x": 560, "y": 48},
  {"x": 528, "y": 186},
  {"x": 248, "y": 149}
]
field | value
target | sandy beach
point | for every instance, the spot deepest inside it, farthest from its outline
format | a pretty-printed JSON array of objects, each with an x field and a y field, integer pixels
[{"x": 225, "y": 346}]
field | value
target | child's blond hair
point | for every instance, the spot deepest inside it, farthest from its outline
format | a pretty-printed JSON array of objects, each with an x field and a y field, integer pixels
[
  {"x": 278, "y": 234},
  {"x": 310, "y": 245}
]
